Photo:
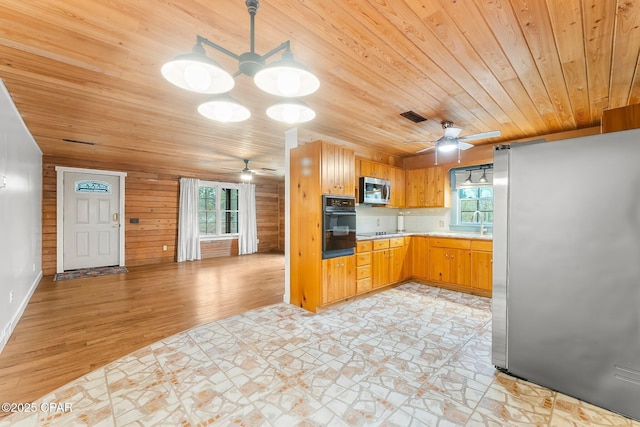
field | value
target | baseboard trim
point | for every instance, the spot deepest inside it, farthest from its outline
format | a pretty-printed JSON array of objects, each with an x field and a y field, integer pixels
[{"x": 8, "y": 331}]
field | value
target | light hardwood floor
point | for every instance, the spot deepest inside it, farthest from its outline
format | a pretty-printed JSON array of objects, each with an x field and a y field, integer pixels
[{"x": 73, "y": 327}]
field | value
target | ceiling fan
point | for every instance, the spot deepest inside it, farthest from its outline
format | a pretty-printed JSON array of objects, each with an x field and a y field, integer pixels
[
  {"x": 450, "y": 140},
  {"x": 246, "y": 174}
]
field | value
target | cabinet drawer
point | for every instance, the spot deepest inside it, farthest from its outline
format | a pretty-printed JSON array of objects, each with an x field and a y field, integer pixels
[
  {"x": 396, "y": 242},
  {"x": 380, "y": 244},
  {"x": 482, "y": 245},
  {"x": 363, "y": 259},
  {"x": 451, "y": 243},
  {"x": 363, "y": 285},
  {"x": 364, "y": 246},
  {"x": 363, "y": 272}
]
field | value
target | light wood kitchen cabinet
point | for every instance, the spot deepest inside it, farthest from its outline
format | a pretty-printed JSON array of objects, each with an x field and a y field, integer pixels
[
  {"x": 437, "y": 188},
  {"x": 397, "y": 178},
  {"x": 482, "y": 265},
  {"x": 338, "y": 278},
  {"x": 338, "y": 170},
  {"x": 380, "y": 266},
  {"x": 389, "y": 261},
  {"x": 415, "y": 180},
  {"x": 317, "y": 168},
  {"x": 622, "y": 118},
  {"x": 420, "y": 257},
  {"x": 427, "y": 188},
  {"x": 450, "y": 261},
  {"x": 374, "y": 169},
  {"x": 364, "y": 261}
]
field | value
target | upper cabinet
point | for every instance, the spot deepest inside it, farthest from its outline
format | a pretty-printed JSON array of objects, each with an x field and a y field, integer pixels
[
  {"x": 427, "y": 188},
  {"x": 374, "y": 169},
  {"x": 337, "y": 170},
  {"x": 622, "y": 118},
  {"x": 383, "y": 171},
  {"x": 397, "y": 178}
]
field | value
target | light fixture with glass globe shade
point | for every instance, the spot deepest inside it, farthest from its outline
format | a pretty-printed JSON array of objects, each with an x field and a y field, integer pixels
[{"x": 286, "y": 78}]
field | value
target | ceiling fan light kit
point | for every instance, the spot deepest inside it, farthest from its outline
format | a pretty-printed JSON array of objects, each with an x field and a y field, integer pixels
[
  {"x": 450, "y": 141},
  {"x": 288, "y": 78}
]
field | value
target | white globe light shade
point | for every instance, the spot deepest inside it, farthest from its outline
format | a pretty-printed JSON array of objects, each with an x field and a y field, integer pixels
[
  {"x": 224, "y": 109},
  {"x": 197, "y": 73},
  {"x": 286, "y": 78},
  {"x": 291, "y": 111}
]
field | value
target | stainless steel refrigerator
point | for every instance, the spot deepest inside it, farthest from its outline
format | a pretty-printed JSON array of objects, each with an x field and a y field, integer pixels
[{"x": 566, "y": 287}]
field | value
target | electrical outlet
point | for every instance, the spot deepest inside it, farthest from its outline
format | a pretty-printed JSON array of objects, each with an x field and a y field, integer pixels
[
  {"x": 441, "y": 223},
  {"x": 10, "y": 297},
  {"x": 164, "y": 248},
  {"x": 378, "y": 222},
  {"x": 34, "y": 268}
]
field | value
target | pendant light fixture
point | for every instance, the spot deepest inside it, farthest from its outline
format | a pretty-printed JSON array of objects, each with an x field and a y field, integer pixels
[
  {"x": 468, "y": 181},
  {"x": 483, "y": 178},
  {"x": 286, "y": 78}
]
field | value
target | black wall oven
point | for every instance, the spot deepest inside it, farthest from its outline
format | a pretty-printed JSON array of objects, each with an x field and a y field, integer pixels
[{"x": 338, "y": 226}]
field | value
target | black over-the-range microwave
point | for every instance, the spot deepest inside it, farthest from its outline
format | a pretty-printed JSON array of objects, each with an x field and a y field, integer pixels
[{"x": 374, "y": 191}]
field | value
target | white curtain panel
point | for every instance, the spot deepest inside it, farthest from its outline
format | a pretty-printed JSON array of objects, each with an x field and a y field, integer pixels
[
  {"x": 188, "y": 229},
  {"x": 247, "y": 226}
]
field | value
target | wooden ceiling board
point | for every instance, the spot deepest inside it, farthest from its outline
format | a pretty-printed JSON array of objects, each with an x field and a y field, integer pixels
[{"x": 89, "y": 70}]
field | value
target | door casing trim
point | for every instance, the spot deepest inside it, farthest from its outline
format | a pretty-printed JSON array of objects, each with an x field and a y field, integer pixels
[{"x": 60, "y": 171}]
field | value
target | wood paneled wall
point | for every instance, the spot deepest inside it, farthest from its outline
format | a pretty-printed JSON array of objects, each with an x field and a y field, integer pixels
[{"x": 152, "y": 197}]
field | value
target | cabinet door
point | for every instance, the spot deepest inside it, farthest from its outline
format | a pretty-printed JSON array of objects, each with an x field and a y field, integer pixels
[
  {"x": 396, "y": 264},
  {"x": 380, "y": 268},
  {"x": 460, "y": 267},
  {"x": 415, "y": 182},
  {"x": 332, "y": 289},
  {"x": 419, "y": 257},
  {"x": 337, "y": 170},
  {"x": 349, "y": 276},
  {"x": 482, "y": 270},
  {"x": 439, "y": 264},
  {"x": 327, "y": 169},
  {"x": 435, "y": 191},
  {"x": 338, "y": 279},
  {"x": 396, "y": 177},
  {"x": 366, "y": 168},
  {"x": 347, "y": 175}
]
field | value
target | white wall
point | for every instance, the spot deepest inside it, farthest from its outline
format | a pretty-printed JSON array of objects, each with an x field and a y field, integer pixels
[{"x": 20, "y": 215}]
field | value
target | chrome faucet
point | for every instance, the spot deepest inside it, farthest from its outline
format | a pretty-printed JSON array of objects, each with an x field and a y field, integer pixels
[{"x": 481, "y": 216}]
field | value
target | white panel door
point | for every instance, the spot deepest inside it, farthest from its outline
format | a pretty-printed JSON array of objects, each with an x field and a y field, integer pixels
[{"x": 91, "y": 220}]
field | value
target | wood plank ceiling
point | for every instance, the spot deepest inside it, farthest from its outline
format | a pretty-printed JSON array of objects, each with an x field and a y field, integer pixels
[{"x": 89, "y": 70}]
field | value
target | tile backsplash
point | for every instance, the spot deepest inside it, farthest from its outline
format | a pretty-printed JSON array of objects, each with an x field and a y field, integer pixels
[{"x": 377, "y": 219}]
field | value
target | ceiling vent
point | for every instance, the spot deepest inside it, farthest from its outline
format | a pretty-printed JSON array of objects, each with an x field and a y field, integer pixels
[{"x": 413, "y": 116}]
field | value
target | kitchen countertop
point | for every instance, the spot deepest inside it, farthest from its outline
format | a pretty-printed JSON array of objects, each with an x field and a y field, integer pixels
[{"x": 451, "y": 234}]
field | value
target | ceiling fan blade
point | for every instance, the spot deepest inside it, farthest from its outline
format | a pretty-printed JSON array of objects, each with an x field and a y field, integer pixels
[
  {"x": 425, "y": 149},
  {"x": 490, "y": 134},
  {"x": 463, "y": 145},
  {"x": 452, "y": 132}
]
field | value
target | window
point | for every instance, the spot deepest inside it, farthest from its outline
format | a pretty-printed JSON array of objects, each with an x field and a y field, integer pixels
[
  {"x": 218, "y": 209},
  {"x": 472, "y": 199},
  {"x": 471, "y": 191}
]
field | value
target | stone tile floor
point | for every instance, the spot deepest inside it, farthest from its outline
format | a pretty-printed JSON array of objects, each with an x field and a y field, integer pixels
[{"x": 410, "y": 356}]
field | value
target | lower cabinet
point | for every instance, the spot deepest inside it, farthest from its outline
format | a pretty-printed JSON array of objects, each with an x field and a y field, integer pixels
[
  {"x": 450, "y": 261},
  {"x": 363, "y": 266},
  {"x": 482, "y": 265},
  {"x": 389, "y": 256},
  {"x": 419, "y": 254},
  {"x": 464, "y": 265},
  {"x": 338, "y": 278}
]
